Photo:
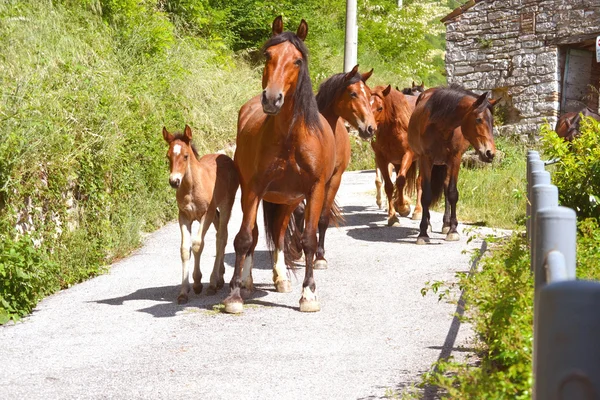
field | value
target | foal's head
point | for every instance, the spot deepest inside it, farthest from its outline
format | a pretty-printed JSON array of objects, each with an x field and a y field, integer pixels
[
  {"x": 180, "y": 153},
  {"x": 378, "y": 103},
  {"x": 477, "y": 127},
  {"x": 286, "y": 71}
]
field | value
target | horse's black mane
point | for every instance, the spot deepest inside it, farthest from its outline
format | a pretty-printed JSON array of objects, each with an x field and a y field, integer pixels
[
  {"x": 183, "y": 138},
  {"x": 444, "y": 100},
  {"x": 305, "y": 104},
  {"x": 330, "y": 88}
]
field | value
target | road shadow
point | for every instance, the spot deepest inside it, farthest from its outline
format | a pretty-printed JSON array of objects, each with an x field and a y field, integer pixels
[
  {"x": 391, "y": 234},
  {"x": 262, "y": 259},
  {"x": 166, "y": 299}
]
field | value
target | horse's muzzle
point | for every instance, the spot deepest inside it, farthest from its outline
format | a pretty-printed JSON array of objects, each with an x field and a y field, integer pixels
[
  {"x": 271, "y": 103},
  {"x": 487, "y": 156},
  {"x": 366, "y": 133},
  {"x": 175, "y": 183}
]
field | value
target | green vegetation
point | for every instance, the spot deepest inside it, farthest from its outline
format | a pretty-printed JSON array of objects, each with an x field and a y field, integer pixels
[
  {"x": 88, "y": 84},
  {"x": 499, "y": 295}
]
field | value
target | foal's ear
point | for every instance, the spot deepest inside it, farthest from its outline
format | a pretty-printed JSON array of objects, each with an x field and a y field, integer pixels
[
  {"x": 302, "y": 30},
  {"x": 387, "y": 90},
  {"x": 366, "y": 76},
  {"x": 188, "y": 132},
  {"x": 350, "y": 74},
  {"x": 167, "y": 136},
  {"x": 277, "y": 25},
  {"x": 493, "y": 102}
]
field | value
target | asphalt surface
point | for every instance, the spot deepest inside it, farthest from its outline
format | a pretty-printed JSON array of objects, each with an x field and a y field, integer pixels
[{"x": 123, "y": 336}]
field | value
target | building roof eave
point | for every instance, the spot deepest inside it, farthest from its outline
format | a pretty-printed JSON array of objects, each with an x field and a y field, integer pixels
[{"x": 458, "y": 11}]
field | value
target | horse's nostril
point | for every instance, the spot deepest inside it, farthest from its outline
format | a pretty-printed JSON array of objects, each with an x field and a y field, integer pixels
[
  {"x": 370, "y": 129},
  {"x": 489, "y": 154},
  {"x": 263, "y": 98}
]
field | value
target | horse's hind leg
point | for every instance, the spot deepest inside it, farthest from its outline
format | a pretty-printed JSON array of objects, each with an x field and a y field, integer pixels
[
  {"x": 389, "y": 191},
  {"x": 452, "y": 199},
  {"x": 378, "y": 187},
  {"x": 280, "y": 221},
  {"x": 186, "y": 241},
  {"x": 328, "y": 208},
  {"x": 220, "y": 221},
  {"x": 418, "y": 211},
  {"x": 425, "y": 167},
  {"x": 198, "y": 247},
  {"x": 403, "y": 205}
]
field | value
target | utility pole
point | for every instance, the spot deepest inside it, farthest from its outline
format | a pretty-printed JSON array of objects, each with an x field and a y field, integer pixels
[
  {"x": 350, "y": 47},
  {"x": 399, "y": 3}
]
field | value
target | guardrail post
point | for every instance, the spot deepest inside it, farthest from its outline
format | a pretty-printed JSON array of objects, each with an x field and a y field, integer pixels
[
  {"x": 556, "y": 267},
  {"x": 543, "y": 195},
  {"x": 556, "y": 229},
  {"x": 567, "y": 326},
  {"x": 533, "y": 166}
]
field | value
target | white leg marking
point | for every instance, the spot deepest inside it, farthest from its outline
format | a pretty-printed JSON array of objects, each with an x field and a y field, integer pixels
[
  {"x": 308, "y": 295},
  {"x": 247, "y": 268},
  {"x": 279, "y": 267}
]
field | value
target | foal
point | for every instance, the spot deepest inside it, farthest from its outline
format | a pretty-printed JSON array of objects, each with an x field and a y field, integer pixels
[{"x": 205, "y": 193}]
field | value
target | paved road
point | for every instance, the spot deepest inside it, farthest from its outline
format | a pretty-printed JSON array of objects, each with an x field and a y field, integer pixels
[{"x": 121, "y": 335}]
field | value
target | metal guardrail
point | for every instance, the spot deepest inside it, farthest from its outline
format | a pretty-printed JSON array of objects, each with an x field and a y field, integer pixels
[{"x": 566, "y": 336}]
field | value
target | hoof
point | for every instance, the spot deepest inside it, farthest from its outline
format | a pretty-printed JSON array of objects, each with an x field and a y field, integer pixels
[
  {"x": 234, "y": 304},
  {"x": 452, "y": 237},
  {"x": 393, "y": 221},
  {"x": 379, "y": 204},
  {"x": 284, "y": 286},
  {"x": 309, "y": 305},
  {"x": 404, "y": 212},
  {"x": 422, "y": 240},
  {"x": 320, "y": 264},
  {"x": 211, "y": 291},
  {"x": 417, "y": 216},
  {"x": 197, "y": 288},
  {"x": 445, "y": 229},
  {"x": 182, "y": 298}
]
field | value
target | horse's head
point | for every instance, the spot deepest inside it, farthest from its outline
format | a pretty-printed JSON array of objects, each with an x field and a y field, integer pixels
[
  {"x": 354, "y": 103},
  {"x": 477, "y": 127},
  {"x": 179, "y": 154},
  {"x": 417, "y": 89},
  {"x": 285, "y": 64},
  {"x": 378, "y": 103}
]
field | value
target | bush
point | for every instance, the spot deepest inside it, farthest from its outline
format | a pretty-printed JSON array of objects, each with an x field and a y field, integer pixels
[{"x": 577, "y": 173}]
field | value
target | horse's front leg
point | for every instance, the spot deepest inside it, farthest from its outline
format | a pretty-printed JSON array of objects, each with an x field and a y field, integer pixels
[
  {"x": 220, "y": 220},
  {"x": 389, "y": 190},
  {"x": 314, "y": 204},
  {"x": 418, "y": 211},
  {"x": 452, "y": 199},
  {"x": 425, "y": 167},
  {"x": 185, "y": 225},
  {"x": 198, "y": 247},
  {"x": 243, "y": 246}
]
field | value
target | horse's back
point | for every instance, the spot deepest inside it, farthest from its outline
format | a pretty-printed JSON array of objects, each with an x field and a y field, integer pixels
[{"x": 219, "y": 176}]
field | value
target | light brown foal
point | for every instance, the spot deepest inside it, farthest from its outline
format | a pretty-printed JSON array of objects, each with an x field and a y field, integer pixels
[{"x": 205, "y": 193}]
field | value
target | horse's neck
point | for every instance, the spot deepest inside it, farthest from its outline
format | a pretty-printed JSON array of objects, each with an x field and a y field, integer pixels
[
  {"x": 191, "y": 178},
  {"x": 330, "y": 115}
]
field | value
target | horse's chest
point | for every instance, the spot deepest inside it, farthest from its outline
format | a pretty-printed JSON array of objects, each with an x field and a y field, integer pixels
[{"x": 194, "y": 210}]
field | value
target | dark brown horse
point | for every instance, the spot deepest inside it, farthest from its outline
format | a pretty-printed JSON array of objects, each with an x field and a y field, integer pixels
[
  {"x": 205, "y": 193},
  {"x": 414, "y": 90},
  {"x": 438, "y": 144},
  {"x": 392, "y": 112},
  {"x": 343, "y": 96},
  {"x": 567, "y": 126},
  {"x": 285, "y": 153}
]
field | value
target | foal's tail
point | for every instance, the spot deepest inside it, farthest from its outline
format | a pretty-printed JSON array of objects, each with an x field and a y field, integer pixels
[
  {"x": 438, "y": 176},
  {"x": 411, "y": 180}
]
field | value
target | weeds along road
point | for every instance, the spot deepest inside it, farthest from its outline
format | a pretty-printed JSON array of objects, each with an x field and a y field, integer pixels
[{"x": 122, "y": 335}]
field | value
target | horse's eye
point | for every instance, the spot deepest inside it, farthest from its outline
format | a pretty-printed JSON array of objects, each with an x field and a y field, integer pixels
[
  {"x": 267, "y": 55},
  {"x": 379, "y": 109},
  {"x": 298, "y": 62},
  {"x": 478, "y": 120},
  {"x": 353, "y": 95},
  {"x": 185, "y": 157}
]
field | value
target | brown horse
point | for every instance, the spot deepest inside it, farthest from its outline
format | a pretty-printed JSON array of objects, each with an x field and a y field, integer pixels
[
  {"x": 343, "y": 96},
  {"x": 438, "y": 144},
  {"x": 285, "y": 153},
  {"x": 205, "y": 193},
  {"x": 567, "y": 126},
  {"x": 414, "y": 90},
  {"x": 392, "y": 113}
]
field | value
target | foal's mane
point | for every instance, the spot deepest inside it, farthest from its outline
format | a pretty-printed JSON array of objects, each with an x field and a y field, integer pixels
[
  {"x": 443, "y": 101},
  {"x": 181, "y": 137},
  {"x": 330, "y": 88},
  {"x": 305, "y": 104}
]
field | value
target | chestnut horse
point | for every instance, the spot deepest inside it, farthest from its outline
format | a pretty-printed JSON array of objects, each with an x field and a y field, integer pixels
[
  {"x": 205, "y": 193},
  {"x": 285, "y": 153},
  {"x": 438, "y": 143},
  {"x": 392, "y": 113},
  {"x": 567, "y": 126},
  {"x": 343, "y": 96}
]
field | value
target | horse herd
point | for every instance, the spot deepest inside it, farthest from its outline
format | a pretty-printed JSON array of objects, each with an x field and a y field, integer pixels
[{"x": 291, "y": 150}]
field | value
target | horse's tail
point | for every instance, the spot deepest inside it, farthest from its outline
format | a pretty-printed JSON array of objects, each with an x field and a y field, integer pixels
[
  {"x": 411, "y": 179},
  {"x": 438, "y": 176},
  {"x": 292, "y": 247},
  {"x": 336, "y": 217}
]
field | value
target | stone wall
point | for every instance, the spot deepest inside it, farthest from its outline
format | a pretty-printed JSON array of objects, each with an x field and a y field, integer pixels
[{"x": 488, "y": 49}]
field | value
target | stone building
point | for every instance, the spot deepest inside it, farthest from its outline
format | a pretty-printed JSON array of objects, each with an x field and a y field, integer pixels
[{"x": 538, "y": 55}]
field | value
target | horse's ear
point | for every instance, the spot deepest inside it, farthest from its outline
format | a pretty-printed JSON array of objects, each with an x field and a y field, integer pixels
[
  {"x": 188, "y": 132},
  {"x": 350, "y": 74},
  {"x": 302, "y": 30},
  {"x": 167, "y": 136},
  {"x": 387, "y": 90},
  {"x": 481, "y": 100},
  {"x": 413, "y": 84},
  {"x": 422, "y": 84},
  {"x": 493, "y": 102},
  {"x": 397, "y": 88},
  {"x": 366, "y": 76},
  {"x": 277, "y": 25}
]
